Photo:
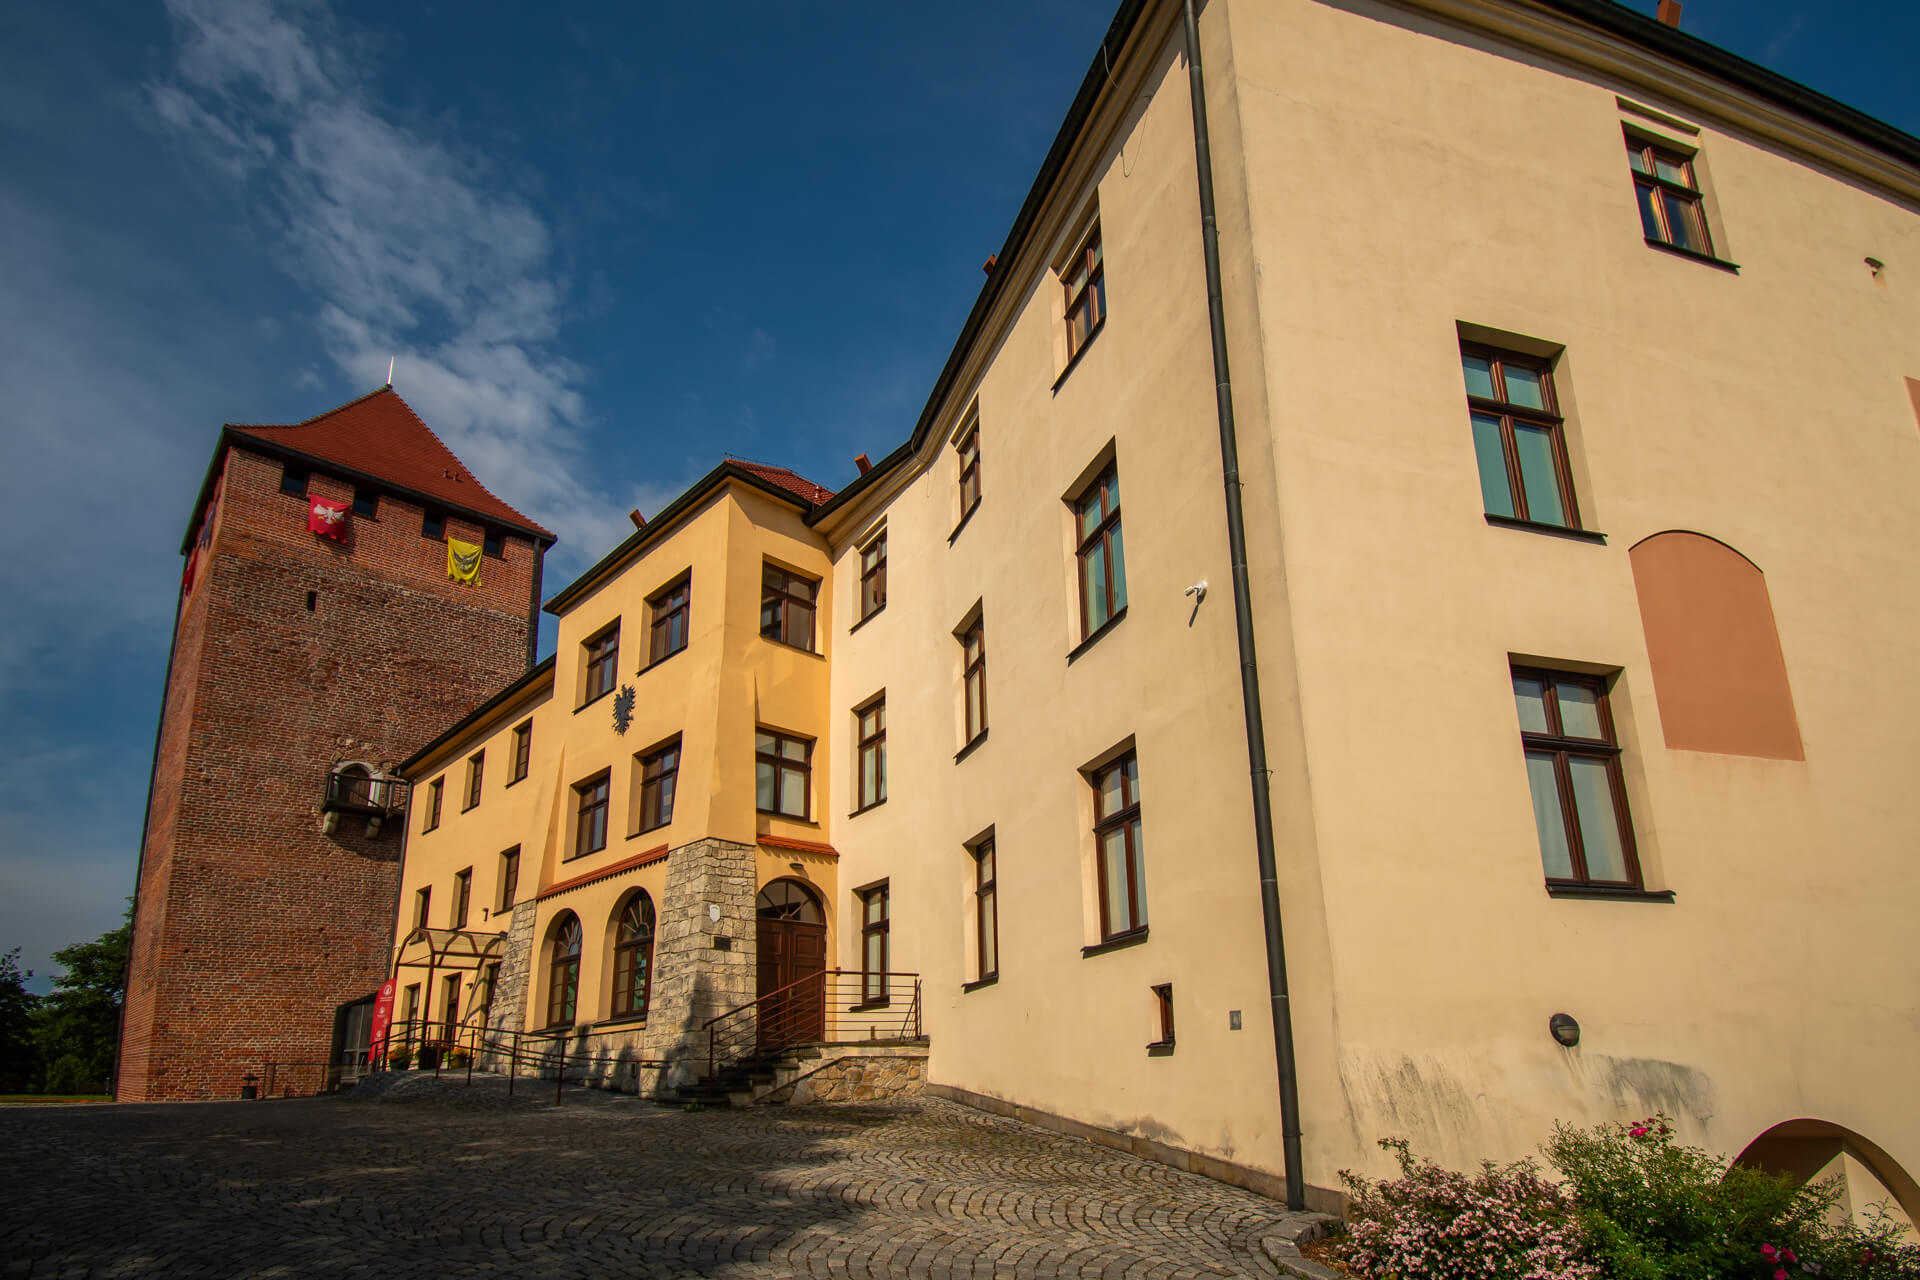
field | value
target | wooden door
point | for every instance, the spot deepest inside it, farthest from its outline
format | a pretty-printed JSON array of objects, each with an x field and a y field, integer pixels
[{"x": 792, "y": 947}]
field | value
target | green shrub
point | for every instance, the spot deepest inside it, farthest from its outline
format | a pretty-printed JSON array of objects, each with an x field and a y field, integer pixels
[{"x": 399, "y": 1059}]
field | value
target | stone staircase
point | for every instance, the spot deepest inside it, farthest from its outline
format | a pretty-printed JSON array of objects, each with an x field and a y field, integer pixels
[{"x": 861, "y": 1072}]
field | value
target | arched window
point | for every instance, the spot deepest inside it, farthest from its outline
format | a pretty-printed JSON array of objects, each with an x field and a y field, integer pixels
[
  {"x": 785, "y": 900},
  {"x": 563, "y": 975},
  {"x": 633, "y": 956}
]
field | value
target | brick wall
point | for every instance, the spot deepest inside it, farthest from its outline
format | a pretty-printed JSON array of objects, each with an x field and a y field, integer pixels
[{"x": 252, "y": 925}]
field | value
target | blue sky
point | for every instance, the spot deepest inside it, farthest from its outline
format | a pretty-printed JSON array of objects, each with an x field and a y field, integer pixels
[{"x": 607, "y": 244}]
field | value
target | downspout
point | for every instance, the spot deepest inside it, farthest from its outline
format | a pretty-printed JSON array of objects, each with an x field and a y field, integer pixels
[{"x": 1243, "y": 623}]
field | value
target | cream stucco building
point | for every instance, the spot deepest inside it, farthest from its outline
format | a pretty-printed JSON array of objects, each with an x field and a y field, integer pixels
[{"x": 1573, "y": 370}]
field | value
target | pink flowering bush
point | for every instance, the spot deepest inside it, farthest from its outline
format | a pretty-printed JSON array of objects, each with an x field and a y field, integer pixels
[
  {"x": 1503, "y": 1223},
  {"x": 1632, "y": 1205}
]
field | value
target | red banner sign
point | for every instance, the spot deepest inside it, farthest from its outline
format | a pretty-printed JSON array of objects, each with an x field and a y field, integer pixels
[
  {"x": 328, "y": 519},
  {"x": 382, "y": 1017}
]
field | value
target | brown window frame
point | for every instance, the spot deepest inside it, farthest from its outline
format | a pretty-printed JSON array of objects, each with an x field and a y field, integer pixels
[
  {"x": 563, "y": 973},
  {"x": 294, "y": 481},
  {"x": 509, "y": 879},
  {"x": 1100, "y": 542},
  {"x": 659, "y": 774},
  {"x": 782, "y": 764},
  {"x": 873, "y": 982},
  {"x": 986, "y": 908},
  {"x": 433, "y": 524},
  {"x": 1163, "y": 999},
  {"x": 487, "y": 983},
  {"x": 968, "y": 449},
  {"x": 476, "y": 772},
  {"x": 601, "y": 653},
  {"x": 870, "y": 740},
  {"x": 422, "y": 904},
  {"x": 522, "y": 751},
  {"x": 1511, "y": 416},
  {"x": 462, "y": 898},
  {"x": 631, "y": 948},
  {"x": 672, "y": 603},
  {"x": 366, "y": 503},
  {"x": 493, "y": 543},
  {"x": 873, "y": 575},
  {"x": 409, "y": 1013},
  {"x": 973, "y": 680},
  {"x": 592, "y": 797},
  {"x": 449, "y": 1006},
  {"x": 787, "y": 606},
  {"x": 1089, "y": 294},
  {"x": 1126, "y": 820},
  {"x": 1563, "y": 749},
  {"x": 435, "y": 792},
  {"x": 1655, "y": 195}
]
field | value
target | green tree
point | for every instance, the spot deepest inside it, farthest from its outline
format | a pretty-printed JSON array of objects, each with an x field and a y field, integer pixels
[
  {"x": 77, "y": 1024},
  {"x": 19, "y": 1055}
]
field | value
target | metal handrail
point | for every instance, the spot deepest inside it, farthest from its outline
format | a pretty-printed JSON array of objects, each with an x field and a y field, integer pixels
[
  {"x": 355, "y": 793},
  {"x": 547, "y": 1051},
  {"x": 815, "y": 1010}
]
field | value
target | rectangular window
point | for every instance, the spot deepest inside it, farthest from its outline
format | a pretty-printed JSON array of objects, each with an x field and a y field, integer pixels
[
  {"x": 669, "y": 611},
  {"x": 422, "y": 902},
  {"x": 1671, "y": 211},
  {"x": 969, "y": 450},
  {"x": 462, "y": 898},
  {"x": 493, "y": 542},
  {"x": 509, "y": 879},
  {"x": 450, "y": 1004},
  {"x": 1518, "y": 437},
  {"x": 489, "y": 983},
  {"x": 366, "y": 502},
  {"x": 522, "y": 750},
  {"x": 973, "y": 658},
  {"x": 476, "y": 767},
  {"x": 1118, "y": 853},
  {"x": 1163, "y": 1001},
  {"x": 293, "y": 481},
  {"x": 786, "y": 607},
  {"x": 602, "y": 657},
  {"x": 873, "y": 576},
  {"x": 1103, "y": 557},
  {"x": 871, "y": 778},
  {"x": 433, "y": 524},
  {"x": 873, "y": 943},
  {"x": 659, "y": 774},
  {"x": 986, "y": 910},
  {"x": 435, "y": 790},
  {"x": 590, "y": 827},
  {"x": 409, "y": 1011},
  {"x": 783, "y": 774},
  {"x": 1086, "y": 283},
  {"x": 1573, "y": 771}
]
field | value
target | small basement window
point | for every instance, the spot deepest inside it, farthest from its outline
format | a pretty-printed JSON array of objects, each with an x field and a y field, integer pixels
[
  {"x": 494, "y": 542},
  {"x": 433, "y": 525},
  {"x": 293, "y": 481}
]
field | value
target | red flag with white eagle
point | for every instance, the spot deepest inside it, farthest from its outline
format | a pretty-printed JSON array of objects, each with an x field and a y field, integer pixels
[{"x": 328, "y": 519}]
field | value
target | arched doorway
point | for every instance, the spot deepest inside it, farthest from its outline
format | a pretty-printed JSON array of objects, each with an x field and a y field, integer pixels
[
  {"x": 792, "y": 932},
  {"x": 1814, "y": 1150}
]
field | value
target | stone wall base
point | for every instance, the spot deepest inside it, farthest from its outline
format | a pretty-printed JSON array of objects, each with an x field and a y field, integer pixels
[
  {"x": 856, "y": 1075},
  {"x": 1271, "y": 1185}
]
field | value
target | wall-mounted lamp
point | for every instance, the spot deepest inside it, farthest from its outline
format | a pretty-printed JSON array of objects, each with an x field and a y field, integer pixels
[
  {"x": 1564, "y": 1029},
  {"x": 1876, "y": 266},
  {"x": 798, "y": 867}
]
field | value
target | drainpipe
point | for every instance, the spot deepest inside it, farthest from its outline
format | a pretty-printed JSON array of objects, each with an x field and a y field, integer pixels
[{"x": 1243, "y": 623}]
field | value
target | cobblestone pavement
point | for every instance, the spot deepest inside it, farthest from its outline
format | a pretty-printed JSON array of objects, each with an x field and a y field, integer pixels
[{"x": 602, "y": 1186}]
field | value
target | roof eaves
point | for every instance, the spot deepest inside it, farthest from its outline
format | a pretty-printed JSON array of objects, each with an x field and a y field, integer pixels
[
  {"x": 479, "y": 713},
  {"x": 658, "y": 527}
]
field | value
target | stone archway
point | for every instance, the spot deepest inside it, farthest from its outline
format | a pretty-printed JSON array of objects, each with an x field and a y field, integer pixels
[{"x": 1810, "y": 1150}]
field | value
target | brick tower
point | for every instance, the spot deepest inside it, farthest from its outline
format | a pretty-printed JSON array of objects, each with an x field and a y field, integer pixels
[{"x": 320, "y": 639}]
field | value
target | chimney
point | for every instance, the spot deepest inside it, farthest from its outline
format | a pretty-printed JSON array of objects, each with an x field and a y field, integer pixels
[
  {"x": 639, "y": 521},
  {"x": 994, "y": 258},
  {"x": 863, "y": 463},
  {"x": 1670, "y": 12}
]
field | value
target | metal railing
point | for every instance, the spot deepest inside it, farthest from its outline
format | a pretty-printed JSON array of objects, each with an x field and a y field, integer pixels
[
  {"x": 356, "y": 793},
  {"x": 463, "y": 1048},
  {"x": 838, "y": 1006}
]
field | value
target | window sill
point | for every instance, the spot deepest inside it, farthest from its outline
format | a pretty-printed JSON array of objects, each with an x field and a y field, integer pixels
[
  {"x": 971, "y": 746},
  {"x": 469, "y": 808},
  {"x": 1606, "y": 892},
  {"x": 1118, "y": 942},
  {"x": 1707, "y": 258},
  {"x": 1557, "y": 530},
  {"x": 623, "y": 1020},
  {"x": 1073, "y": 361},
  {"x": 964, "y": 517},
  {"x": 866, "y": 1005},
  {"x": 1099, "y": 632},
  {"x": 786, "y": 817},
  {"x": 868, "y": 808},
  {"x": 590, "y": 701},
  {"x": 575, "y": 857},
  {"x": 864, "y": 621},
  {"x": 987, "y": 981},
  {"x": 796, "y": 648},
  {"x": 427, "y": 831},
  {"x": 660, "y": 661},
  {"x": 514, "y": 781},
  {"x": 647, "y": 831},
  {"x": 1160, "y": 1049}
]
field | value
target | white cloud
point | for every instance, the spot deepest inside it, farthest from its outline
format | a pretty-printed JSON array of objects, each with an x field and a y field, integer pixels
[{"x": 410, "y": 246}]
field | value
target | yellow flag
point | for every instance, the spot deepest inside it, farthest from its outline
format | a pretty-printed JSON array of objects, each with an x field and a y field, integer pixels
[{"x": 463, "y": 562}]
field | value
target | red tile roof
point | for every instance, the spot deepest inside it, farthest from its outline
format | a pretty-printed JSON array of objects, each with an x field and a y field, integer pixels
[
  {"x": 797, "y": 485},
  {"x": 381, "y": 435}
]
